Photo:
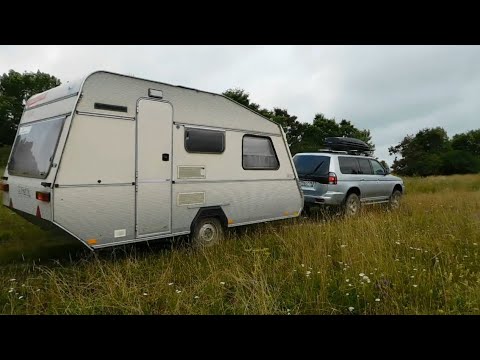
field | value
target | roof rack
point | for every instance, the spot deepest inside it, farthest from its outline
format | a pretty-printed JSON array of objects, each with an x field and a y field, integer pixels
[{"x": 351, "y": 152}]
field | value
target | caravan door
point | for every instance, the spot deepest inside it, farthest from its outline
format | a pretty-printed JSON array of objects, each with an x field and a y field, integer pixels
[{"x": 154, "y": 168}]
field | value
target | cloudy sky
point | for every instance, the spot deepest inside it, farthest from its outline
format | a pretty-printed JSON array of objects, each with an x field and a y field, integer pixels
[{"x": 391, "y": 90}]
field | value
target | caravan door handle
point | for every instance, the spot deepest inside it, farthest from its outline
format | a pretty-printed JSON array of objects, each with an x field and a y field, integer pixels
[{"x": 165, "y": 157}]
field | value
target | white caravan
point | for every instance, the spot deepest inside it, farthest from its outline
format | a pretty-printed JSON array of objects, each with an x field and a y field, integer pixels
[{"x": 113, "y": 159}]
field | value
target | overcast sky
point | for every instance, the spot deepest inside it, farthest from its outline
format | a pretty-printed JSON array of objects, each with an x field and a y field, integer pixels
[{"x": 391, "y": 90}]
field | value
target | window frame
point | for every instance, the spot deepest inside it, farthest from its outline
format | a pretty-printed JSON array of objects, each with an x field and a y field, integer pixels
[
  {"x": 381, "y": 166},
  {"x": 369, "y": 164},
  {"x": 63, "y": 118},
  {"x": 273, "y": 148},
  {"x": 223, "y": 132},
  {"x": 356, "y": 162}
]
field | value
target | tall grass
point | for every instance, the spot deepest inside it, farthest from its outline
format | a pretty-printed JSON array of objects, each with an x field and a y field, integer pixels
[{"x": 420, "y": 259}]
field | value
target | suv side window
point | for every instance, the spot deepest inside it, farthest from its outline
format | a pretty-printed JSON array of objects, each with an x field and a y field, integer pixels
[
  {"x": 365, "y": 167},
  {"x": 377, "y": 168},
  {"x": 348, "y": 165}
]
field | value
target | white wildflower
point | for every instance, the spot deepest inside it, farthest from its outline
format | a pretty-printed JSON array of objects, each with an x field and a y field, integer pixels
[
  {"x": 347, "y": 294},
  {"x": 347, "y": 280},
  {"x": 413, "y": 257},
  {"x": 196, "y": 297},
  {"x": 170, "y": 284},
  {"x": 351, "y": 308},
  {"x": 377, "y": 299},
  {"x": 361, "y": 274},
  {"x": 10, "y": 291},
  {"x": 13, "y": 279},
  {"x": 178, "y": 291},
  {"x": 145, "y": 294},
  {"x": 20, "y": 297},
  {"x": 222, "y": 282},
  {"x": 415, "y": 285},
  {"x": 343, "y": 245},
  {"x": 303, "y": 265}
]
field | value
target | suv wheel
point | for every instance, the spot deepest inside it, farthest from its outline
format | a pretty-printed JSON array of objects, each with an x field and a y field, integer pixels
[
  {"x": 352, "y": 205},
  {"x": 394, "y": 202}
]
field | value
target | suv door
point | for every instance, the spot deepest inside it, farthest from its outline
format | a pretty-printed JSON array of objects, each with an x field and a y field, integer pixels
[
  {"x": 368, "y": 179},
  {"x": 352, "y": 177},
  {"x": 384, "y": 186}
]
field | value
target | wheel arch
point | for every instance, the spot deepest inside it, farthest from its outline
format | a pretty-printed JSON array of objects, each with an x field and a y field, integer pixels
[
  {"x": 210, "y": 211},
  {"x": 397, "y": 187}
]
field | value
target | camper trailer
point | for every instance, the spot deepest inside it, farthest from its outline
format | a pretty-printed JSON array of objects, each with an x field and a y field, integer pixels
[{"x": 113, "y": 159}]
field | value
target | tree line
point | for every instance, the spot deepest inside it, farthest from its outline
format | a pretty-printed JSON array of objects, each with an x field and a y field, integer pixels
[{"x": 429, "y": 152}]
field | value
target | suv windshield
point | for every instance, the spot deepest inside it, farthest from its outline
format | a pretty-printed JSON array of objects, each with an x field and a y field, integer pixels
[
  {"x": 34, "y": 148},
  {"x": 312, "y": 165}
]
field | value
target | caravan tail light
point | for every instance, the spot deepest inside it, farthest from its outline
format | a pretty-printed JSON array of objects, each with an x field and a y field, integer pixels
[
  {"x": 332, "y": 178},
  {"x": 43, "y": 196},
  {"x": 4, "y": 187}
]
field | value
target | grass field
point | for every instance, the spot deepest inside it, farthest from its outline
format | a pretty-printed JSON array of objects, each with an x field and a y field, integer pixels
[{"x": 420, "y": 259}]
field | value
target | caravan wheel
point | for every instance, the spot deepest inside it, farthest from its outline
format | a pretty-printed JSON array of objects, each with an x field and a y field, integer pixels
[{"x": 207, "y": 232}]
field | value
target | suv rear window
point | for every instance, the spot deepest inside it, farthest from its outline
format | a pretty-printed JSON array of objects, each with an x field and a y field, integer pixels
[
  {"x": 312, "y": 165},
  {"x": 34, "y": 148},
  {"x": 348, "y": 165}
]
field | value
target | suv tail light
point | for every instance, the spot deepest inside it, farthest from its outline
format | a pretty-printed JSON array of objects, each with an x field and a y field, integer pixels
[
  {"x": 4, "y": 187},
  {"x": 332, "y": 178}
]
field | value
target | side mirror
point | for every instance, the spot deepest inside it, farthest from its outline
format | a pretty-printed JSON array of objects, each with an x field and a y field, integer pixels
[{"x": 387, "y": 171}]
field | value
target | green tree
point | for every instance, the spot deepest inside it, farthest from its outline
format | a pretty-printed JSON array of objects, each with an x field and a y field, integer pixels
[
  {"x": 430, "y": 152},
  {"x": 303, "y": 137},
  {"x": 242, "y": 97},
  {"x": 469, "y": 142},
  {"x": 15, "y": 89},
  {"x": 294, "y": 130}
]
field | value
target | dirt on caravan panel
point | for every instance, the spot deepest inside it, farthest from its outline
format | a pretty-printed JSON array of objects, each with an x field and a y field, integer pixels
[{"x": 114, "y": 159}]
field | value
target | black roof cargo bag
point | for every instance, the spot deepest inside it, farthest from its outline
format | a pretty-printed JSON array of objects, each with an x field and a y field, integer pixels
[{"x": 346, "y": 144}]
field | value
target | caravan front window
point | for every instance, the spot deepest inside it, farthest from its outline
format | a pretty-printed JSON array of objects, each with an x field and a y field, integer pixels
[{"x": 34, "y": 148}]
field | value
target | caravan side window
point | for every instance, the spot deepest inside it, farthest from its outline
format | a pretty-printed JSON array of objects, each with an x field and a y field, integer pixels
[
  {"x": 259, "y": 153},
  {"x": 204, "y": 141}
]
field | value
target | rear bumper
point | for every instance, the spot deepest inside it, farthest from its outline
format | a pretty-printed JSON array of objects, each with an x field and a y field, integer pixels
[{"x": 329, "y": 198}]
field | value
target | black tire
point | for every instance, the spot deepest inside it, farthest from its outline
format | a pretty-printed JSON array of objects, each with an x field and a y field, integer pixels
[
  {"x": 395, "y": 198},
  {"x": 207, "y": 231},
  {"x": 352, "y": 205}
]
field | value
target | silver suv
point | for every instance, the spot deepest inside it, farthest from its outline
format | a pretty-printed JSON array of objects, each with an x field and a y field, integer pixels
[{"x": 340, "y": 179}]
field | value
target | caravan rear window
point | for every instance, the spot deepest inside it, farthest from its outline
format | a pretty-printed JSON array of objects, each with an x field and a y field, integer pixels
[
  {"x": 259, "y": 154},
  {"x": 34, "y": 148}
]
